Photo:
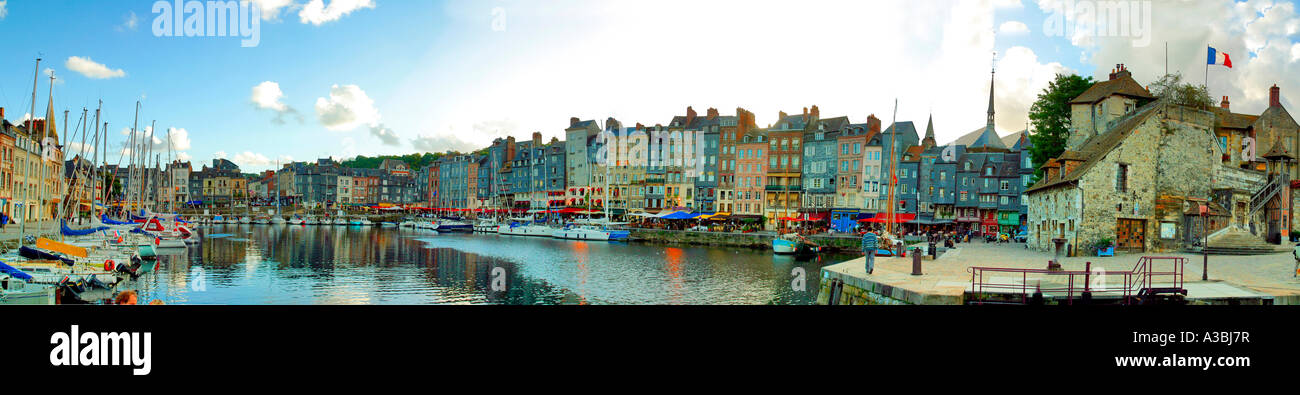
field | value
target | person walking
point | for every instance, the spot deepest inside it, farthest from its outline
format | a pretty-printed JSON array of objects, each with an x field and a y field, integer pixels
[{"x": 869, "y": 240}]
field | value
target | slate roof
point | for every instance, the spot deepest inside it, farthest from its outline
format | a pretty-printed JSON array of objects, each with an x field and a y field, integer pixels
[
  {"x": 1123, "y": 85},
  {"x": 1228, "y": 119},
  {"x": 988, "y": 140},
  {"x": 1096, "y": 147},
  {"x": 836, "y": 123}
]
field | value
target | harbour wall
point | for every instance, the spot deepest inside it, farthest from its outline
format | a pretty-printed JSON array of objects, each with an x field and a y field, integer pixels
[{"x": 741, "y": 240}]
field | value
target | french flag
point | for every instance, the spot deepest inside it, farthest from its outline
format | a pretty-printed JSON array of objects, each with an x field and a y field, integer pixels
[{"x": 1219, "y": 58}]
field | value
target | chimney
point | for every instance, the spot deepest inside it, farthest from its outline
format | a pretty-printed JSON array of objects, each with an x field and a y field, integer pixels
[
  {"x": 1274, "y": 96},
  {"x": 1112, "y": 74},
  {"x": 1224, "y": 103},
  {"x": 712, "y": 113},
  {"x": 537, "y": 139},
  {"x": 873, "y": 123},
  {"x": 2, "y": 113},
  {"x": 573, "y": 121},
  {"x": 1121, "y": 71},
  {"x": 815, "y": 114},
  {"x": 690, "y": 116},
  {"x": 782, "y": 116},
  {"x": 639, "y": 126}
]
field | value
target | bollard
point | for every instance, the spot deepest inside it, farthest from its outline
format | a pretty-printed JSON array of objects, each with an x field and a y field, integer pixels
[
  {"x": 934, "y": 251},
  {"x": 916, "y": 263}
]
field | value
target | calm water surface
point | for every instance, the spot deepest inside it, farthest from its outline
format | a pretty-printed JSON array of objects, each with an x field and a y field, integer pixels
[{"x": 281, "y": 264}]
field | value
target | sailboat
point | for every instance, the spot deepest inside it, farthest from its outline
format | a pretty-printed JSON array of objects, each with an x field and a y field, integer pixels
[{"x": 602, "y": 230}]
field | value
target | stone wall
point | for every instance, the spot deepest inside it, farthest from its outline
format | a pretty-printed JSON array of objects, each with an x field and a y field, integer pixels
[{"x": 1171, "y": 159}]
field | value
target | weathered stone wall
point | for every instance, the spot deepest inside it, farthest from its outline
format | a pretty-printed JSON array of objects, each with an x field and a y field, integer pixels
[
  {"x": 1171, "y": 158},
  {"x": 1237, "y": 178},
  {"x": 1051, "y": 214},
  {"x": 1187, "y": 158}
]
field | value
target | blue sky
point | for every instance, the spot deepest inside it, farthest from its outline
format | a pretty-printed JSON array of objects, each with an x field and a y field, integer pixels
[{"x": 385, "y": 76}]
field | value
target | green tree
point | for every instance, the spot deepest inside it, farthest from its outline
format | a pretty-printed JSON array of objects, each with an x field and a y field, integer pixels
[
  {"x": 1172, "y": 89},
  {"x": 1050, "y": 116}
]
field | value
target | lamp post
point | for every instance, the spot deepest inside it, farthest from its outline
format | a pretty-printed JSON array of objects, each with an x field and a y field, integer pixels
[{"x": 1205, "y": 246}]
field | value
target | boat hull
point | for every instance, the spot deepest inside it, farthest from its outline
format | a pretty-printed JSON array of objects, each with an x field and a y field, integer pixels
[{"x": 528, "y": 230}]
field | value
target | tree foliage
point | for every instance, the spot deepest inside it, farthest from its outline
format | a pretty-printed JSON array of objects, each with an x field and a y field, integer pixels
[
  {"x": 1172, "y": 89},
  {"x": 416, "y": 160},
  {"x": 1050, "y": 116}
]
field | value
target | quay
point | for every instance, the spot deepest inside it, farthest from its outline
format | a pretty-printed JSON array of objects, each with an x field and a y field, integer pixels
[
  {"x": 1233, "y": 280},
  {"x": 757, "y": 240}
]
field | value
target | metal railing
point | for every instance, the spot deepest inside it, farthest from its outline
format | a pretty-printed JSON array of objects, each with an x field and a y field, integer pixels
[{"x": 1139, "y": 282}]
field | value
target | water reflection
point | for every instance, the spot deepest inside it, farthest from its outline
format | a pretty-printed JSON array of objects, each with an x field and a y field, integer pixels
[{"x": 262, "y": 264}]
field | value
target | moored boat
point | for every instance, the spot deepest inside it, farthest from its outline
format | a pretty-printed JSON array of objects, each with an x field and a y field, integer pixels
[{"x": 794, "y": 244}]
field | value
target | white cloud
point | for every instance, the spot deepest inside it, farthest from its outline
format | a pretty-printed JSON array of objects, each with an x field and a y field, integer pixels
[
  {"x": 183, "y": 156},
  {"x": 267, "y": 95},
  {"x": 346, "y": 108},
  {"x": 385, "y": 135},
  {"x": 1259, "y": 35},
  {"x": 425, "y": 143},
  {"x": 129, "y": 22},
  {"x": 940, "y": 67},
  {"x": 316, "y": 12},
  {"x": 180, "y": 139},
  {"x": 219, "y": 155},
  {"x": 4, "y": 8},
  {"x": 271, "y": 8},
  {"x": 90, "y": 69},
  {"x": 249, "y": 159},
  {"x": 76, "y": 147},
  {"x": 1013, "y": 27}
]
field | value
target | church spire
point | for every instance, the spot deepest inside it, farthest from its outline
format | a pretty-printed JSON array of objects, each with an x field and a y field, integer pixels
[
  {"x": 928, "y": 141},
  {"x": 992, "y": 73}
]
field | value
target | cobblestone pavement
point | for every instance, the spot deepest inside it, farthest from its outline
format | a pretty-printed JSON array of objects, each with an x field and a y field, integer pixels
[{"x": 1271, "y": 274}]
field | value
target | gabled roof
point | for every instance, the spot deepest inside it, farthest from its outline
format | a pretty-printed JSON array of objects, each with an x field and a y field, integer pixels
[
  {"x": 1123, "y": 85},
  {"x": 836, "y": 123},
  {"x": 988, "y": 140},
  {"x": 1096, "y": 147}
]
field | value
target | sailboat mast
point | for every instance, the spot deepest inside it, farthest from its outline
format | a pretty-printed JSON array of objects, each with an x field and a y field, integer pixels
[
  {"x": 45, "y": 136},
  {"x": 27, "y": 171},
  {"x": 893, "y": 157},
  {"x": 94, "y": 172}
]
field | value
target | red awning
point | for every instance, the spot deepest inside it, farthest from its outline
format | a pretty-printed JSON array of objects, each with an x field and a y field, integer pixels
[{"x": 883, "y": 218}]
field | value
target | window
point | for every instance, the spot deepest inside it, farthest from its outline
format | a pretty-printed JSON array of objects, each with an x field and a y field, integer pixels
[
  {"x": 857, "y": 148},
  {"x": 1006, "y": 185},
  {"x": 1121, "y": 178}
]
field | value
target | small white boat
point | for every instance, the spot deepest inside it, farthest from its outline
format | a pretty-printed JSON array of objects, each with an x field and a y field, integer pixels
[
  {"x": 340, "y": 221},
  {"x": 362, "y": 221},
  {"x": 296, "y": 220},
  {"x": 278, "y": 220},
  {"x": 311, "y": 220},
  {"x": 486, "y": 225},
  {"x": 245, "y": 220},
  {"x": 592, "y": 231},
  {"x": 537, "y": 230}
]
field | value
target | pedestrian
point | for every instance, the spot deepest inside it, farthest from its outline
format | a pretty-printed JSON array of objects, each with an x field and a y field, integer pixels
[{"x": 869, "y": 240}]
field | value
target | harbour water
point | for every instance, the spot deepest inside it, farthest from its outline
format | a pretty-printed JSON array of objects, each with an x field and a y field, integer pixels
[{"x": 285, "y": 265}]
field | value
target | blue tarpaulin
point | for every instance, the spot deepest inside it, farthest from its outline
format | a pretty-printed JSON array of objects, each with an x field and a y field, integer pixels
[
  {"x": 109, "y": 221},
  {"x": 82, "y": 232},
  {"x": 15, "y": 273},
  {"x": 680, "y": 215}
]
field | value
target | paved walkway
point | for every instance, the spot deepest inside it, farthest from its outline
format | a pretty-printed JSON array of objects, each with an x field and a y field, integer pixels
[
  {"x": 10, "y": 231},
  {"x": 945, "y": 280}
]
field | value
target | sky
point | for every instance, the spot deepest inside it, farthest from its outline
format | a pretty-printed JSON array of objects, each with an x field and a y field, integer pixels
[{"x": 341, "y": 78}]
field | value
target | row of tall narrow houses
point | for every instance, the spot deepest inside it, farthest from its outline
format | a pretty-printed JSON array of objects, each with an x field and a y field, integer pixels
[
  {"x": 803, "y": 167},
  {"x": 1151, "y": 175}
]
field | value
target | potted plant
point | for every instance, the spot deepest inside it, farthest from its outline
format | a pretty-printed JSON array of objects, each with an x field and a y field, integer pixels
[{"x": 1104, "y": 247}]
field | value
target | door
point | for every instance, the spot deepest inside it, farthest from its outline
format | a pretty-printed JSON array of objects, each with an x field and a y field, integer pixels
[{"x": 1130, "y": 234}]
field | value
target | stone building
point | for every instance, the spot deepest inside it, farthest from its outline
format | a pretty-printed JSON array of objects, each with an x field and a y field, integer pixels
[{"x": 1158, "y": 176}]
